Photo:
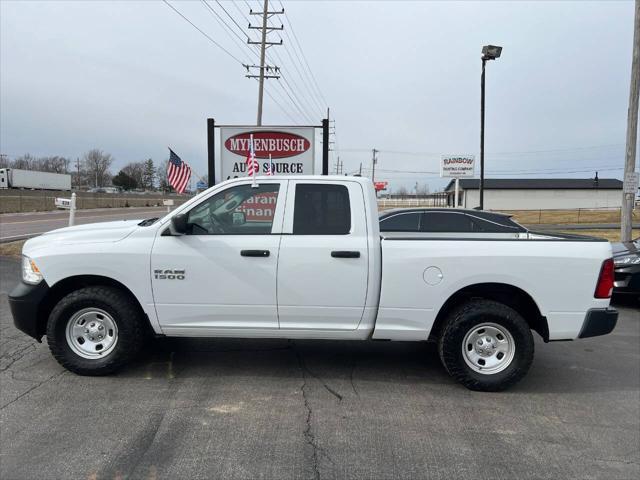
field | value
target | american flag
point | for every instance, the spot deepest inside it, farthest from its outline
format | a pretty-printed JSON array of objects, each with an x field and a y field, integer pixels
[
  {"x": 252, "y": 163},
  {"x": 178, "y": 173},
  {"x": 271, "y": 168}
]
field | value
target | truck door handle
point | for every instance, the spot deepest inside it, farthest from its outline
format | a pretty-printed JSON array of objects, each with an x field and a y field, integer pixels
[
  {"x": 345, "y": 254},
  {"x": 254, "y": 253}
]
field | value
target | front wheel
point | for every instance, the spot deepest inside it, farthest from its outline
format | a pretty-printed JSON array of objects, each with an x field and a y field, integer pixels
[
  {"x": 95, "y": 330},
  {"x": 486, "y": 345}
]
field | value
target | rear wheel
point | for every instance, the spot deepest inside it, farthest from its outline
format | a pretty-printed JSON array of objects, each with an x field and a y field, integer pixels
[
  {"x": 95, "y": 330},
  {"x": 486, "y": 345}
]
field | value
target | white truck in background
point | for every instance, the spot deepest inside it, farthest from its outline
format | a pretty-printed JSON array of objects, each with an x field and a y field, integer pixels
[
  {"x": 33, "y": 179},
  {"x": 302, "y": 257}
]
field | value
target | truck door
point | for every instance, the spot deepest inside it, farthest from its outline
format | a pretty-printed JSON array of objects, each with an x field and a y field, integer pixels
[
  {"x": 323, "y": 263},
  {"x": 223, "y": 273}
]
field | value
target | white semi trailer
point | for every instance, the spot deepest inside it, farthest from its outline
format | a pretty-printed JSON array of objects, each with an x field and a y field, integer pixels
[{"x": 32, "y": 179}]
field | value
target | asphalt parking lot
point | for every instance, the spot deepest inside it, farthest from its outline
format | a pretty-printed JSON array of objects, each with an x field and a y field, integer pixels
[{"x": 317, "y": 409}]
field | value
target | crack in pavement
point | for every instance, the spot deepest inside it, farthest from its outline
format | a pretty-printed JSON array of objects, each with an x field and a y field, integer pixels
[
  {"x": 317, "y": 377},
  {"x": 353, "y": 368},
  {"x": 308, "y": 432},
  {"x": 16, "y": 355},
  {"x": 32, "y": 389}
]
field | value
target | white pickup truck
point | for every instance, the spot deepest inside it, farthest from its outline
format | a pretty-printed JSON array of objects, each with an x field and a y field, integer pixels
[{"x": 303, "y": 257}]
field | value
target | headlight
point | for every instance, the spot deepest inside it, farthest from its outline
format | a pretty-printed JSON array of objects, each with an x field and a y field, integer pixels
[
  {"x": 30, "y": 272},
  {"x": 627, "y": 260}
]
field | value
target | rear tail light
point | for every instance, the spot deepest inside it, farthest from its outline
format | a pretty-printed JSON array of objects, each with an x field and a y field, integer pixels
[{"x": 604, "y": 288}]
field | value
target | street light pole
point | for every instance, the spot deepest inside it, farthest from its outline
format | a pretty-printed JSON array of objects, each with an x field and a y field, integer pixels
[
  {"x": 484, "y": 62},
  {"x": 489, "y": 52}
]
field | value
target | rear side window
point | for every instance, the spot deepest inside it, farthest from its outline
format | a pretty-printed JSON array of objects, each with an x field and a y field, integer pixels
[
  {"x": 401, "y": 222},
  {"x": 321, "y": 210},
  {"x": 446, "y": 222}
]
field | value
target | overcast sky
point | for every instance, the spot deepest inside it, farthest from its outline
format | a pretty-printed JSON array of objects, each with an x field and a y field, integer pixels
[{"x": 132, "y": 78}]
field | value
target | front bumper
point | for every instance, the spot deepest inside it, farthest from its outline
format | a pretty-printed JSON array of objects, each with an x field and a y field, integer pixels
[
  {"x": 599, "y": 321},
  {"x": 24, "y": 302},
  {"x": 627, "y": 279}
]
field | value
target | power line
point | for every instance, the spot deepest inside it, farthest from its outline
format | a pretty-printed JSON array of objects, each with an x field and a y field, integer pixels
[
  {"x": 293, "y": 32},
  {"x": 304, "y": 78},
  {"x": 295, "y": 104},
  {"x": 542, "y": 171},
  {"x": 231, "y": 33},
  {"x": 266, "y": 90},
  {"x": 230, "y": 16},
  {"x": 281, "y": 62},
  {"x": 520, "y": 152},
  {"x": 203, "y": 33}
]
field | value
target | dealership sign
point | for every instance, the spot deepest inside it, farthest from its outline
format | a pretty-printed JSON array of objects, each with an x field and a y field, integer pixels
[
  {"x": 457, "y": 166},
  {"x": 291, "y": 150}
]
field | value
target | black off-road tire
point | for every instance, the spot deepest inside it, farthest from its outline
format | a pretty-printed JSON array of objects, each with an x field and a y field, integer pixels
[
  {"x": 124, "y": 312},
  {"x": 461, "y": 321}
]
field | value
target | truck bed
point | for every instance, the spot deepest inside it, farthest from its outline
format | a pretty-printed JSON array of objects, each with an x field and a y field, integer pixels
[{"x": 560, "y": 272}]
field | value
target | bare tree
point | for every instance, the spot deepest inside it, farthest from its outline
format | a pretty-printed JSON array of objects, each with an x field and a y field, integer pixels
[
  {"x": 135, "y": 170},
  {"x": 24, "y": 162},
  {"x": 97, "y": 164},
  {"x": 402, "y": 192},
  {"x": 423, "y": 190},
  {"x": 54, "y": 164}
]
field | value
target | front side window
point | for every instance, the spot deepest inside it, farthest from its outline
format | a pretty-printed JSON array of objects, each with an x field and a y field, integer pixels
[
  {"x": 401, "y": 222},
  {"x": 321, "y": 210},
  {"x": 240, "y": 210}
]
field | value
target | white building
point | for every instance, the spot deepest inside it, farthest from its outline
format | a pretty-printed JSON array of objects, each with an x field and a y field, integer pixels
[{"x": 538, "y": 193}]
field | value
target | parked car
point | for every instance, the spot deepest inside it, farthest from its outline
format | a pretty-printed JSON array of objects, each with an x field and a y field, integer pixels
[
  {"x": 447, "y": 221},
  {"x": 626, "y": 258},
  {"x": 302, "y": 257}
]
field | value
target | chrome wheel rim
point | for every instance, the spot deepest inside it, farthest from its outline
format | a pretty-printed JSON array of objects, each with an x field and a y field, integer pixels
[
  {"x": 92, "y": 333},
  {"x": 488, "y": 348}
]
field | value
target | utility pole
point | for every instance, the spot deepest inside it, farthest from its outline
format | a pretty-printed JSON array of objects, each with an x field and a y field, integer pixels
[
  {"x": 78, "y": 174},
  {"x": 374, "y": 160},
  {"x": 628, "y": 198},
  {"x": 264, "y": 44}
]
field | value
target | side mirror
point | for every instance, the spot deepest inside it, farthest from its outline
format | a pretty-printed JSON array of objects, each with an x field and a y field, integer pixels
[
  {"x": 179, "y": 224},
  {"x": 239, "y": 218}
]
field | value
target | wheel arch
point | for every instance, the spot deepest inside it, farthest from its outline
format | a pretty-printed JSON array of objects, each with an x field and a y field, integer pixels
[
  {"x": 506, "y": 294},
  {"x": 67, "y": 285}
]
